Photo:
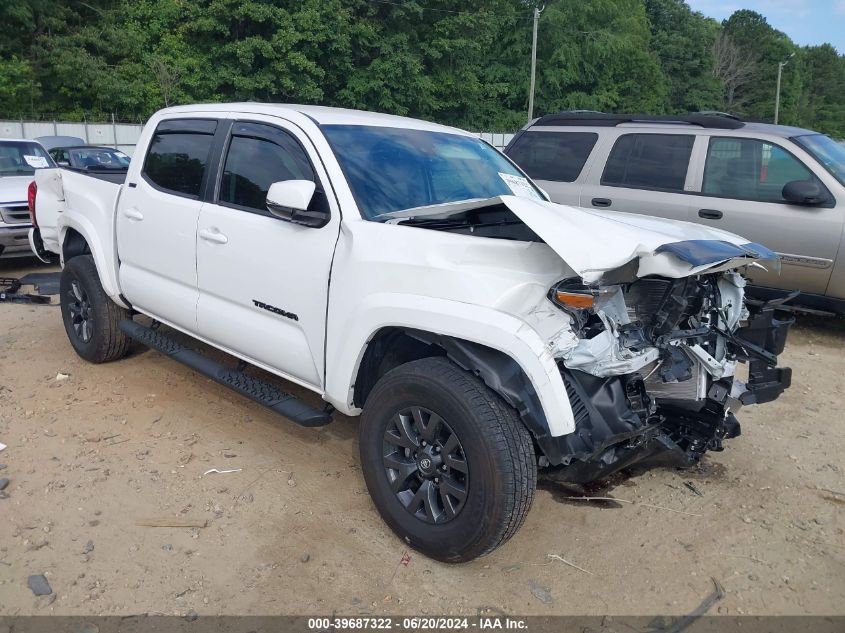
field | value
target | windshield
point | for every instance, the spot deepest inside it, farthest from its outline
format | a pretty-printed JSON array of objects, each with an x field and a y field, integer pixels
[
  {"x": 827, "y": 151},
  {"x": 22, "y": 158},
  {"x": 99, "y": 158},
  {"x": 392, "y": 169}
]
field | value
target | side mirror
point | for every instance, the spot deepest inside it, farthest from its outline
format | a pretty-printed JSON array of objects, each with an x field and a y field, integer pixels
[
  {"x": 289, "y": 199},
  {"x": 804, "y": 192}
]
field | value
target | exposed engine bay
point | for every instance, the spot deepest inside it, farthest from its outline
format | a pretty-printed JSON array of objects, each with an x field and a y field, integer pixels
[{"x": 651, "y": 376}]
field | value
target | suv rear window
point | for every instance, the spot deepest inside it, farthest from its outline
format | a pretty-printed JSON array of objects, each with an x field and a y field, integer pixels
[
  {"x": 649, "y": 161},
  {"x": 178, "y": 155},
  {"x": 558, "y": 156}
]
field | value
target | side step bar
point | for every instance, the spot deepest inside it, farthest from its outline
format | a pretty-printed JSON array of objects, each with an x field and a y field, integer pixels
[{"x": 262, "y": 392}]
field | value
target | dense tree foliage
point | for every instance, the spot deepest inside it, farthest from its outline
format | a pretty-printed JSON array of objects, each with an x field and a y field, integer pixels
[{"x": 463, "y": 63}]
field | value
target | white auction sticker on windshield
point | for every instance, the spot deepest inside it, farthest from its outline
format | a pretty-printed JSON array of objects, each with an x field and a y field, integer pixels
[
  {"x": 520, "y": 186},
  {"x": 36, "y": 161}
]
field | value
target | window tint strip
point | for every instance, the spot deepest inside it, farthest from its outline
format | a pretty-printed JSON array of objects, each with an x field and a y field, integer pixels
[{"x": 193, "y": 126}]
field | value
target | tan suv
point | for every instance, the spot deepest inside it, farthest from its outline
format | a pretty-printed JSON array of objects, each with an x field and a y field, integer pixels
[{"x": 779, "y": 186}]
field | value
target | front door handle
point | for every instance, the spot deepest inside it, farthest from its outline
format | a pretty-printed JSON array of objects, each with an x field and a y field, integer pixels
[
  {"x": 133, "y": 214},
  {"x": 602, "y": 202},
  {"x": 213, "y": 235},
  {"x": 710, "y": 214}
]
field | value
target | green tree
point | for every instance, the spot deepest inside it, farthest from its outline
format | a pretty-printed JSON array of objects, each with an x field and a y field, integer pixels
[
  {"x": 597, "y": 55},
  {"x": 822, "y": 102},
  {"x": 683, "y": 41},
  {"x": 754, "y": 35}
]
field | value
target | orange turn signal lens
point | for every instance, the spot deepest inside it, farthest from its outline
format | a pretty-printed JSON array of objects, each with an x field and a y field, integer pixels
[{"x": 574, "y": 299}]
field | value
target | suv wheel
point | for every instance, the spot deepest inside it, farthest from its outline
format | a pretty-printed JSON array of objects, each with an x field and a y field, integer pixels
[
  {"x": 449, "y": 465},
  {"x": 90, "y": 317}
]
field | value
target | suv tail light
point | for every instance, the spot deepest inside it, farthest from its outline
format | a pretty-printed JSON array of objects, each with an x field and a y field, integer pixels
[{"x": 30, "y": 198}]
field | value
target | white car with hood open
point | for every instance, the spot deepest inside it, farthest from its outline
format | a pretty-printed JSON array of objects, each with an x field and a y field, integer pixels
[{"x": 411, "y": 273}]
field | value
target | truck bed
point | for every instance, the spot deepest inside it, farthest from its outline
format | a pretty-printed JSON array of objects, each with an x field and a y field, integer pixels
[
  {"x": 116, "y": 177},
  {"x": 69, "y": 200}
]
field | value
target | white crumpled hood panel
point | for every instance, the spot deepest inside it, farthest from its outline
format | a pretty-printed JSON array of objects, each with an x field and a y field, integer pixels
[{"x": 594, "y": 242}]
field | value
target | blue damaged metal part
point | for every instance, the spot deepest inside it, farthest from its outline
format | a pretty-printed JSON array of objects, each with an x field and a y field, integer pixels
[{"x": 702, "y": 252}]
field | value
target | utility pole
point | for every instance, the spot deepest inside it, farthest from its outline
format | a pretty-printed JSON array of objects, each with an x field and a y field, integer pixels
[
  {"x": 537, "y": 13},
  {"x": 777, "y": 92}
]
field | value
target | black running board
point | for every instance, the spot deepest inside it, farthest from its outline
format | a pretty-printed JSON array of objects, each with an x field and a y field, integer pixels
[{"x": 261, "y": 392}]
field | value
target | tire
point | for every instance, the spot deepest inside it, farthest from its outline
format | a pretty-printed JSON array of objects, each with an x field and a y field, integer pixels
[
  {"x": 500, "y": 469},
  {"x": 90, "y": 317}
]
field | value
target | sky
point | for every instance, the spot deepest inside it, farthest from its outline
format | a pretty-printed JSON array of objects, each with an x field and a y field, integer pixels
[{"x": 807, "y": 22}]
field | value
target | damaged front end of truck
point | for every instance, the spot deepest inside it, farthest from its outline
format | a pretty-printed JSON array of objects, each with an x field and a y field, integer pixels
[
  {"x": 648, "y": 329},
  {"x": 651, "y": 369}
]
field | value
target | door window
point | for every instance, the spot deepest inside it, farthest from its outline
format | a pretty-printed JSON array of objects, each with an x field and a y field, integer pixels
[
  {"x": 649, "y": 161},
  {"x": 178, "y": 156},
  {"x": 557, "y": 156},
  {"x": 258, "y": 156},
  {"x": 749, "y": 169}
]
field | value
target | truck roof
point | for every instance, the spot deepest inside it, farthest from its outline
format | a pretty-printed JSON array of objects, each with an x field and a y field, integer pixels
[{"x": 322, "y": 115}]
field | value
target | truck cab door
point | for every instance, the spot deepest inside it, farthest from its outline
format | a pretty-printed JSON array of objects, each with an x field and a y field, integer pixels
[
  {"x": 263, "y": 281},
  {"x": 157, "y": 217}
]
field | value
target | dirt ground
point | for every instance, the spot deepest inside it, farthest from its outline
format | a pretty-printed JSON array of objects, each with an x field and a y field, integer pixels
[{"x": 92, "y": 456}]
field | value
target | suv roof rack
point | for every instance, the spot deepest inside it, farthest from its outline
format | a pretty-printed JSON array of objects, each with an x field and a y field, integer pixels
[{"x": 603, "y": 119}]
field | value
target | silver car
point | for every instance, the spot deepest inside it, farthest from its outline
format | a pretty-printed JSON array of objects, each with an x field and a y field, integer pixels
[
  {"x": 776, "y": 185},
  {"x": 19, "y": 159}
]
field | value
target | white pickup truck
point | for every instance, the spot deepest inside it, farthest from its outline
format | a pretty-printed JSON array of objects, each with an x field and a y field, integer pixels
[{"x": 411, "y": 274}]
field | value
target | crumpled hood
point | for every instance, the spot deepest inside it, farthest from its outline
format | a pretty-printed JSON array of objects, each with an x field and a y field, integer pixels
[
  {"x": 594, "y": 242},
  {"x": 14, "y": 188}
]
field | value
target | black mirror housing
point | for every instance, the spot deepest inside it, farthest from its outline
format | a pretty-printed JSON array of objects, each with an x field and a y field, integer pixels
[
  {"x": 312, "y": 218},
  {"x": 804, "y": 192}
]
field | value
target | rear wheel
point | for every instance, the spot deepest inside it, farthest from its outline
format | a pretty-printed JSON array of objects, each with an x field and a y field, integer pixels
[
  {"x": 90, "y": 317},
  {"x": 449, "y": 465}
]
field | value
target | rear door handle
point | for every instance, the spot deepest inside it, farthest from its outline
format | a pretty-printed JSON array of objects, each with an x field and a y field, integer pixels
[
  {"x": 133, "y": 214},
  {"x": 602, "y": 202},
  {"x": 710, "y": 214},
  {"x": 213, "y": 235}
]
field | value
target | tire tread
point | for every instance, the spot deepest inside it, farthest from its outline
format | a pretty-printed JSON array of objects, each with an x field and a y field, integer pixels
[
  {"x": 111, "y": 343},
  {"x": 512, "y": 442}
]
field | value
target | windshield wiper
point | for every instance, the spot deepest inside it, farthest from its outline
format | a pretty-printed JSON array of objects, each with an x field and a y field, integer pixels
[{"x": 454, "y": 223}]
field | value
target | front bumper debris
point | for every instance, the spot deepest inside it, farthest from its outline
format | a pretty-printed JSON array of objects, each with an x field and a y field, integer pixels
[{"x": 625, "y": 420}]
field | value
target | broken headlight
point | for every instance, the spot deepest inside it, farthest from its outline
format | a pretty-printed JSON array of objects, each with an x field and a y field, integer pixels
[{"x": 576, "y": 299}]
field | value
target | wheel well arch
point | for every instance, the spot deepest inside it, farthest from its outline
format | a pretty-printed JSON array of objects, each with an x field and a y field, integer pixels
[
  {"x": 394, "y": 346},
  {"x": 74, "y": 245}
]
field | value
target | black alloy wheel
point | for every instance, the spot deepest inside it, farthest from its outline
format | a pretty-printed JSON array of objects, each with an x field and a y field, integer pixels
[
  {"x": 425, "y": 465},
  {"x": 81, "y": 314}
]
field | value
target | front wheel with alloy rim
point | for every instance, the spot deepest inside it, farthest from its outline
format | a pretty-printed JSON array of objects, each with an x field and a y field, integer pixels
[
  {"x": 90, "y": 317},
  {"x": 449, "y": 465}
]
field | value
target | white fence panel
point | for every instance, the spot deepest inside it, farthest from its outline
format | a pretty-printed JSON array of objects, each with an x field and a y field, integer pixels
[
  {"x": 71, "y": 129},
  {"x": 11, "y": 129},
  {"x": 35, "y": 129},
  {"x": 125, "y": 136},
  {"x": 100, "y": 134},
  {"x": 128, "y": 134}
]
